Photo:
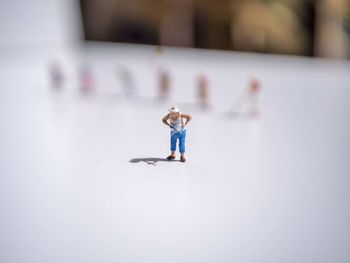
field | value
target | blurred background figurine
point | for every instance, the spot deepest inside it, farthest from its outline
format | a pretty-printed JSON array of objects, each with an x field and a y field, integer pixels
[
  {"x": 162, "y": 73},
  {"x": 203, "y": 91},
  {"x": 127, "y": 81},
  {"x": 248, "y": 103},
  {"x": 254, "y": 97},
  {"x": 56, "y": 75},
  {"x": 164, "y": 84},
  {"x": 87, "y": 81}
]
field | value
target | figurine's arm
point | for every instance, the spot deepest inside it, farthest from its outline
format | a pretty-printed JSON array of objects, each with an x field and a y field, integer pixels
[
  {"x": 187, "y": 117},
  {"x": 165, "y": 120}
]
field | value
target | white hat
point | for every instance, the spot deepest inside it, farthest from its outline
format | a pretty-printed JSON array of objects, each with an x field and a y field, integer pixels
[{"x": 174, "y": 109}]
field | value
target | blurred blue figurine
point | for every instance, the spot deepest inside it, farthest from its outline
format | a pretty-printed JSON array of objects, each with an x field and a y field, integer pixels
[{"x": 175, "y": 120}]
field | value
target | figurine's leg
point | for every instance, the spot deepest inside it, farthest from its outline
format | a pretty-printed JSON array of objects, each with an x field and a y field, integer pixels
[
  {"x": 173, "y": 140},
  {"x": 182, "y": 145}
]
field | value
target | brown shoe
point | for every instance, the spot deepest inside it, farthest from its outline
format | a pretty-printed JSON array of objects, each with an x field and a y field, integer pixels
[
  {"x": 182, "y": 159},
  {"x": 170, "y": 157}
]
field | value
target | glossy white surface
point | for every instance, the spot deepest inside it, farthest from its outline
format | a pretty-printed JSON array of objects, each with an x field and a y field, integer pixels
[{"x": 269, "y": 190}]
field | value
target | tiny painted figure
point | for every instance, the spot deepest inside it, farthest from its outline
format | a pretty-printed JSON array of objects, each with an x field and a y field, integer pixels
[{"x": 177, "y": 122}]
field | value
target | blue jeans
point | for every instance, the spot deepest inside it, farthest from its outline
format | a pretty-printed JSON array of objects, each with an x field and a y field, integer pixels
[{"x": 181, "y": 136}]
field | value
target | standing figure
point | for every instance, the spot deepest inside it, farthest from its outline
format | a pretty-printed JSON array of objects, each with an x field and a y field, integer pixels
[
  {"x": 203, "y": 90},
  {"x": 248, "y": 103},
  {"x": 254, "y": 94},
  {"x": 164, "y": 84},
  {"x": 87, "y": 81},
  {"x": 127, "y": 81},
  {"x": 162, "y": 73},
  {"x": 56, "y": 75},
  {"x": 175, "y": 120}
]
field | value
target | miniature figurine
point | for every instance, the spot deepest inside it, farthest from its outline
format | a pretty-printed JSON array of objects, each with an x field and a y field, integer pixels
[
  {"x": 203, "y": 90},
  {"x": 254, "y": 94},
  {"x": 164, "y": 84},
  {"x": 56, "y": 75},
  {"x": 87, "y": 81},
  {"x": 248, "y": 102},
  {"x": 163, "y": 75},
  {"x": 175, "y": 120},
  {"x": 127, "y": 81}
]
